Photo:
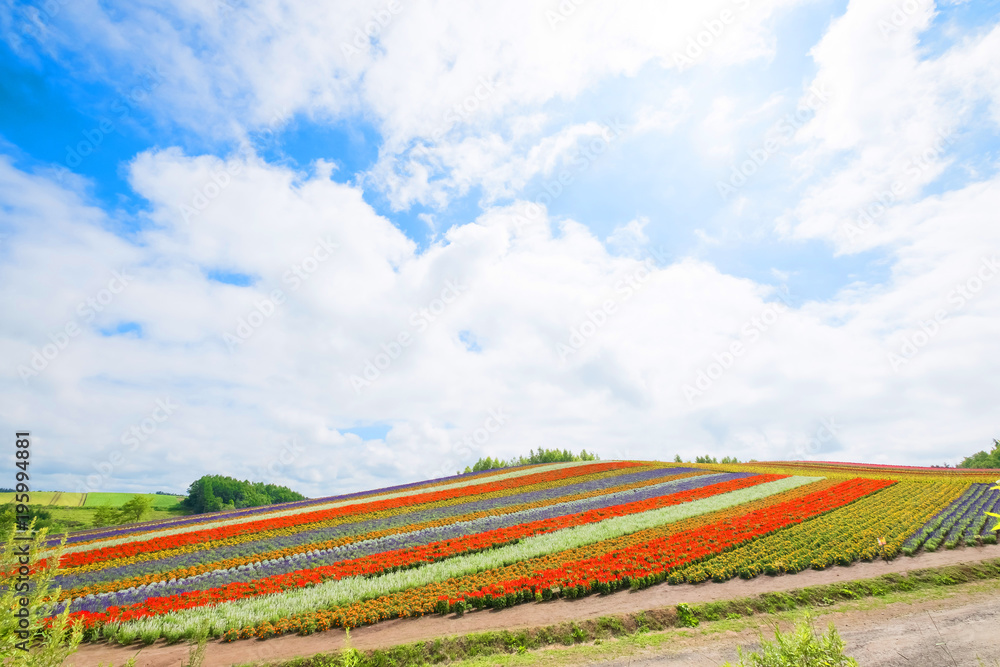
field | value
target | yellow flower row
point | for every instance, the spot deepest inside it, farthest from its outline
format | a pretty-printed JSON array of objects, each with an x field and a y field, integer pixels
[
  {"x": 873, "y": 527},
  {"x": 234, "y": 562}
]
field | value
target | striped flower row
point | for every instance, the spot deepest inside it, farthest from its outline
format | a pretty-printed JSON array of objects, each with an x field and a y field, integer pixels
[
  {"x": 410, "y": 525},
  {"x": 374, "y": 556},
  {"x": 337, "y": 593}
]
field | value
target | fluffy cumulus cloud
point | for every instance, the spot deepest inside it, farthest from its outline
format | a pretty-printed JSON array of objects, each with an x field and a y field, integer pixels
[{"x": 262, "y": 319}]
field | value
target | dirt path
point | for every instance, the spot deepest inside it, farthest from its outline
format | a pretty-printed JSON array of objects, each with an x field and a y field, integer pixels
[
  {"x": 959, "y": 630},
  {"x": 402, "y": 631}
]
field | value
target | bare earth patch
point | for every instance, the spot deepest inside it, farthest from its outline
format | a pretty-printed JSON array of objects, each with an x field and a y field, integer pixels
[
  {"x": 403, "y": 631},
  {"x": 959, "y": 630}
]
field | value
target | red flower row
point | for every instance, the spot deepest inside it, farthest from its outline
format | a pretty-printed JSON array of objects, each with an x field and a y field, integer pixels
[
  {"x": 661, "y": 555},
  {"x": 197, "y": 536},
  {"x": 409, "y": 557}
]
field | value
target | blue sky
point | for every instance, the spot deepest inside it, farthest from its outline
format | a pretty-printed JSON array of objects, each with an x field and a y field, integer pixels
[{"x": 262, "y": 177}]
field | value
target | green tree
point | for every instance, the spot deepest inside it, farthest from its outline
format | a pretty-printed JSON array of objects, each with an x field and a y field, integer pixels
[
  {"x": 543, "y": 455},
  {"x": 105, "y": 515},
  {"x": 135, "y": 509},
  {"x": 213, "y": 493},
  {"x": 47, "y": 647},
  {"x": 983, "y": 459}
]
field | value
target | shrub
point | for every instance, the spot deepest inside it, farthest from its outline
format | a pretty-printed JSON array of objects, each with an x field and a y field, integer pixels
[
  {"x": 51, "y": 642},
  {"x": 799, "y": 647},
  {"x": 686, "y": 617}
]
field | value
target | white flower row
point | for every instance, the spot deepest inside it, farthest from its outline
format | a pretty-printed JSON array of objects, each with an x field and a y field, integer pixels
[
  {"x": 334, "y": 593},
  {"x": 142, "y": 537}
]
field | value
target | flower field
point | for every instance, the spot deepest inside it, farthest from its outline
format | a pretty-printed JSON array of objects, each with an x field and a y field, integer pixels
[{"x": 504, "y": 537}]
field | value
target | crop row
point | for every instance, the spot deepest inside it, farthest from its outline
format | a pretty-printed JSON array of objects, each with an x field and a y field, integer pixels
[
  {"x": 871, "y": 528},
  {"x": 305, "y": 519},
  {"x": 337, "y": 593},
  {"x": 962, "y": 522},
  {"x": 87, "y": 540},
  {"x": 636, "y": 561},
  {"x": 348, "y": 542},
  {"x": 379, "y": 560}
]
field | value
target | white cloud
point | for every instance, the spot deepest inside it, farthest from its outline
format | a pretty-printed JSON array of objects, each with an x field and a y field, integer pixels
[
  {"x": 577, "y": 341},
  {"x": 888, "y": 129},
  {"x": 454, "y": 78},
  {"x": 521, "y": 292}
]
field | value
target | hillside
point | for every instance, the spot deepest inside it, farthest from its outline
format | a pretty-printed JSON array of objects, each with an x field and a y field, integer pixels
[{"x": 503, "y": 537}]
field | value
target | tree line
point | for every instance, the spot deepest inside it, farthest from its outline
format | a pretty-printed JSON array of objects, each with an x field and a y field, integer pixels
[
  {"x": 543, "y": 455},
  {"x": 215, "y": 493},
  {"x": 989, "y": 459}
]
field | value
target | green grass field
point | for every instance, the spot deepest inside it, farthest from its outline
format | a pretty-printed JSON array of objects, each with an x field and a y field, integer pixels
[
  {"x": 52, "y": 498},
  {"x": 66, "y": 499},
  {"x": 119, "y": 499}
]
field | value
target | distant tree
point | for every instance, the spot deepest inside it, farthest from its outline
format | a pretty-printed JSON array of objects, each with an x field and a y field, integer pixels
[
  {"x": 213, "y": 493},
  {"x": 705, "y": 459},
  {"x": 135, "y": 509},
  {"x": 983, "y": 459},
  {"x": 541, "y": 456},
  {"x": 105, "y": 515},
  {"x": 677, "y": 459},
  {"x": 730, "y": 459}
]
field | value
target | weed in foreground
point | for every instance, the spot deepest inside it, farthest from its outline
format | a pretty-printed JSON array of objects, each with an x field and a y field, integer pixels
[{"x": 801, "y": 646}]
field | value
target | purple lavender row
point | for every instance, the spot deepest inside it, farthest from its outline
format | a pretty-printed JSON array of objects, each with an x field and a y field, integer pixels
[
  {"x": 354, "y": 528},
  {"x": 324, "y": 533},
  {"x": 974, "y": 511},
  {"x": 248, "y": 511},
  {"x": 325, "y": 557},
  {"x": 935, "y": 530},
  {"x": 992, "y": 505}
]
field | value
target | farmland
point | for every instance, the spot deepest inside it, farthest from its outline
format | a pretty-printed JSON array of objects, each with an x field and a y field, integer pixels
[
  {"x": 90, "y": 500},
  {"x": 504, "y": 537}
]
